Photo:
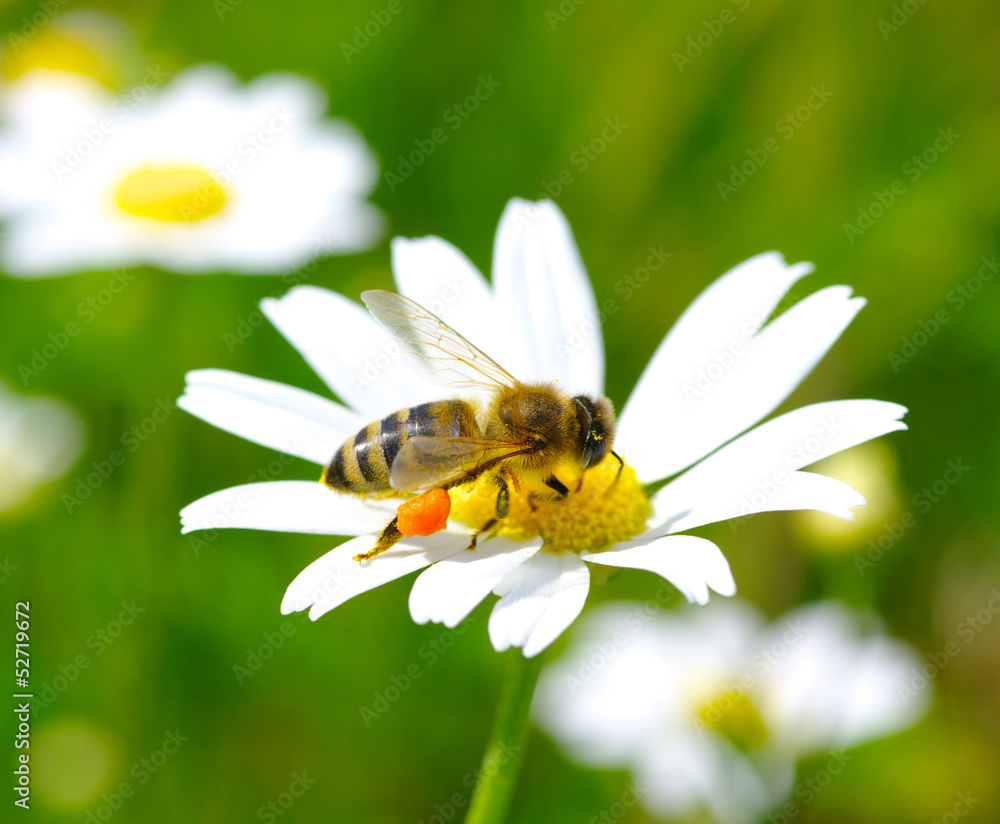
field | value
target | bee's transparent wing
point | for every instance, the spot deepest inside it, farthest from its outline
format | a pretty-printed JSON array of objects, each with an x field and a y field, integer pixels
[
  {"x": 424, "y": 462},
  {"x": 436, "y": 351}
]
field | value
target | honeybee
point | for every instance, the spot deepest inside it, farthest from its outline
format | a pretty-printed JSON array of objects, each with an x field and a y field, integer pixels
[{"x": 524, "y": 432}]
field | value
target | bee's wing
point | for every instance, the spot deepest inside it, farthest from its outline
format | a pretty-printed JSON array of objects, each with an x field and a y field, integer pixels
[
  {"x": 425, "y": 463},
  {"x": 438, "y": 353}
]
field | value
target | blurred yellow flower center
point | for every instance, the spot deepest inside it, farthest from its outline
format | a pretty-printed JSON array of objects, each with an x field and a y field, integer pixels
[
  {"x": 52, "y": 50},
  {"x": 173, "y": 194},
  {"x": 734, "y": 716},
  {"x": 606, "y": 508}
]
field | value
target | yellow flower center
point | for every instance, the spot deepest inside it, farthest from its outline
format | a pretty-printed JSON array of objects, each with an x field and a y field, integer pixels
[
  {"x": 734, "y": 716},
  {"x": 59, "y": 51},
  {"x": 175, "y": 194},
  {"x": 601, "y": 509}
]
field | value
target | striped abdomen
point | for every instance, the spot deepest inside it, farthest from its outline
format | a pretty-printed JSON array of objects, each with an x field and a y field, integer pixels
[{"x": 362, "y": 464}]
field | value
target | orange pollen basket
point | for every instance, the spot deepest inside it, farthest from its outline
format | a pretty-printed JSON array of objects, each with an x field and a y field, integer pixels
[{"x": 425, "y": 514}]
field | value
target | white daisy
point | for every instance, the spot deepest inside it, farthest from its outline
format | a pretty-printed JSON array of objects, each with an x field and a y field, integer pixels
[
  {"x": 710, "y": 710},
  {"x": 40, "y": 439},
  {"x": 538, "y": 318},
  {"x": 200, "y": 174}
]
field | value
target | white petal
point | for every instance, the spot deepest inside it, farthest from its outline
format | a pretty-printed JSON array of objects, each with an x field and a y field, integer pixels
[
  {"x": 693, "y": 565},
  {"x": 441, "y": 279},
  {"x": 714, "y": 375},
  {"x": 798, "y": 490},
  {"x": 834, "y": 687},
  {"x": 286, "y": 506},
  {"x": 757, "y": 471},
  {"x": 538, "y": 601},
  {"x": 353, "y": 355},
  {"x": 546, "y": 299},
  {"x": 448, "y": 591},
  {"x": 335, "y": 577},
  {"x": 272, "y": 414},
  {"x": 684, "y": 775}
]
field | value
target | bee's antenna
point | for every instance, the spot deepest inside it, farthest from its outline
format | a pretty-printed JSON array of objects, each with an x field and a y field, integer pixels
[{"x": 621, "y": 466}]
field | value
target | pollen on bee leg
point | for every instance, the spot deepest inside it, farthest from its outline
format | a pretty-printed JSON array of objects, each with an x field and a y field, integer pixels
[{"x": 425, "y": 514}]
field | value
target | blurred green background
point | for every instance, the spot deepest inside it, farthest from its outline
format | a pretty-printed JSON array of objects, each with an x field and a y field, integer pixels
[{"x": 562, "y": 69}]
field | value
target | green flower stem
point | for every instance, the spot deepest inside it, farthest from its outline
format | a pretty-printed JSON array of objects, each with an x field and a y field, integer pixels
[{"x": 502, "y": 759}]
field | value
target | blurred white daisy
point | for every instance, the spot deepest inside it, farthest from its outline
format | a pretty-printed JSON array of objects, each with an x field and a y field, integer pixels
[
  {"x": 710, "y": 710},
  {"x": 40, "y": 439},
  {"x": 539, "y": 319},
  {"x": 192, "y": 174}
]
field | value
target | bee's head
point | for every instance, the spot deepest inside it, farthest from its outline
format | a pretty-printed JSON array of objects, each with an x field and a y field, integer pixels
[{"x": 596, "y": 419}]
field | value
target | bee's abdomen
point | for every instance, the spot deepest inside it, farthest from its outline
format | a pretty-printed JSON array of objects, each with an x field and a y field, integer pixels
[{"x": 363, "y": 463}]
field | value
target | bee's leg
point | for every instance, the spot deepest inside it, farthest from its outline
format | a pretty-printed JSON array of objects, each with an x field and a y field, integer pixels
[
  {"x": 502, "y": 509},
  {"x": 503, "y": 499},
  {"x": 557, "y": 486},
  {"x": 387, "y": 540}
]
